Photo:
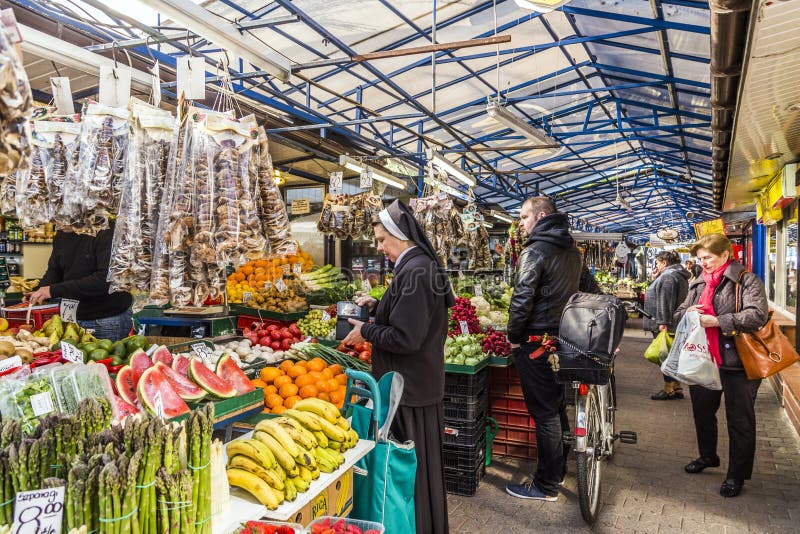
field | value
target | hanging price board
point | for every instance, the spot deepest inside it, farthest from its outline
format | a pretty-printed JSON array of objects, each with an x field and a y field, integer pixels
[
  {"x": 202, "y": 350},
  {"x": 115, "y": 86},
  {"x": 191, "y": 77},
  {"x": 71, "y": 353},
  {"x": 366, "y": 179},
  {"x": 39, "y": 511},
  {"x": 69, "y": 310},
  {"x": 335, "y": 185}
]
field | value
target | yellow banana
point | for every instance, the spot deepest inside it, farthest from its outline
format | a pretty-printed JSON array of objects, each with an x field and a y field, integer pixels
[
  {"x": 343, "y": 423},
  {"x": 329, "y": 429},
  {"x": 266, "y": 495},
  {"x": 299, "y": 435},
  {"x": 302, "y": 418},
  {"x": 334, "y": 445},
  {"x": 270, "y": 476},
  {"x": 290, "y": 492},
  {"x": 322, "y": 439},
  {"x": 324, "y": 409},
  {"x": 305, "y": 474},
  {"x": 301, "y": 484},
  {"x": 325, "y": 461},
  {"x": 283, "y": 458},
  {"x": 280, "y": 472},
  {"x": 276, "y": 431},
  {"x": 336, "y": 456},
  {"x": 314, "y": 472},
  {"x": 252, "y": 448}
]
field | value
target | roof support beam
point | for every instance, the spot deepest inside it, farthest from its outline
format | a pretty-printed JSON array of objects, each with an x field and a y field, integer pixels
[{"x": 621, "y": 17}]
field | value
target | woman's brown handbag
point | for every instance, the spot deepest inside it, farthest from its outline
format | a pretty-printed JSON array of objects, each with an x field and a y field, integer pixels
[{"x": 766, "y": 351}]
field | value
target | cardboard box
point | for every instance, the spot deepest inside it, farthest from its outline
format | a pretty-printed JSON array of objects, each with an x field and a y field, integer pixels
[{"x": 335, "y": 500}]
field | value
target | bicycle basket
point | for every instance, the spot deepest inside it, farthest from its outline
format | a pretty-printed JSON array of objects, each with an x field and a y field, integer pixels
[{"x": 575, "y": 365}]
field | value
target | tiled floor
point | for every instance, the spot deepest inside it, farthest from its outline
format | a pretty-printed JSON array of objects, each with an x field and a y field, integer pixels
[{"x": 645, "y": 488}]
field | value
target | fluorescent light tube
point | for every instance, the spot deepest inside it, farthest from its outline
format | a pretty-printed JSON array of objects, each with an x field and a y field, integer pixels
[
  {"x": 451, "y": 169},
  {"x": 377, "y": 174},
  {"x": 542, "y": 6},
  {"x": 509, "y": 120},
  {"x": 501, "y": 216}
]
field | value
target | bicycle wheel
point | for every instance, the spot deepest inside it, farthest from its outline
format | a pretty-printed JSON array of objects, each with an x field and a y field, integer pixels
[{"x": 589, "y": 466}]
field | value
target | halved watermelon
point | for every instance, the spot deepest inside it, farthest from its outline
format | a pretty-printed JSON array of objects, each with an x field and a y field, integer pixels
[
  {"x": 210, "y": 382},
  {"x": 181, "y": 364},
  {"x": 126, "y": 384},
  {"x": 163, "y": 355},
  {"x": 124, "y": 408},
  {"x": 140, "y": 362},
  {"x": 229, "y": 371},
  {"x": 185, "y": 388},
  {"x": 154, "y": 382}
]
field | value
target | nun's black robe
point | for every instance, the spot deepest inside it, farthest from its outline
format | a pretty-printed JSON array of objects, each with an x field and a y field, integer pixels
[{"x": 408, "y": 337}]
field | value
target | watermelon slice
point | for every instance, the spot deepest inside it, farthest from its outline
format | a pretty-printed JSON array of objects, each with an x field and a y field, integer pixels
[
  {"x": 181, "y": 364},
  {"x": 210, "y": 382},
  {"x": 154, "y": 382},
  {"x": 140, "y": 362},
  {"x": 126, "y": 384},
  {"x": 229, "y": 371},
  {"x": 163, "y": 355},
  {"x": 124, "y": 408},
  {"x": 185, "y": 388}
]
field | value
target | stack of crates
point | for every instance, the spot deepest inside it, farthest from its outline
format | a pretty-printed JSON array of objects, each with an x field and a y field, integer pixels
[
  {"x": 516, "y": 432},
  {"x": 466, "y": 399}
]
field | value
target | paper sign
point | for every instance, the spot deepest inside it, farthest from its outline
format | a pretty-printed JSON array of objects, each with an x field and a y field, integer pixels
[
  {"x": 464, "y": 327},
  {"x": 301, "y": 206},
  {"x": 152, "y": 349},
  {"x": 39, "y": 511},
  {"x": 158, "y": 404},
  {"x": 202, "y": 350},
  {"x": 478, "y": 290},
  {"x": 336, "y": 182},
  {"x": 366, "y": 179},
  {"x": 62, "y": 95},
  {"x": 115, "y": 86},
  {"x": 156, "y": 88},
  {"x": 326, "y": 316},
  {"x": 71, "y": 353},
  {"x": 69, "y": 310},
  {"x": 192, "y": 77},
  {"x": 267, "y": 285},
  {"x": 9, "y": 21},
  {"x": 298, "y": 268},
  {"x": 246, "y": 297},
  {"x": 10, "y": 363},
  {"x": 42, "y": 404},
  {"x": 280, "y": 285}
]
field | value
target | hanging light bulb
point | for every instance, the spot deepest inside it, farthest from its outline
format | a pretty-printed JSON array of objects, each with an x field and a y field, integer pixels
[{"x": 279, "y": 180}]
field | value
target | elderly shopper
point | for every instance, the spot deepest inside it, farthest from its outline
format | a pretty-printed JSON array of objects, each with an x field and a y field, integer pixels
[
  {"x": 661, "y": 299},
  {"x": 713, "y": 295}
]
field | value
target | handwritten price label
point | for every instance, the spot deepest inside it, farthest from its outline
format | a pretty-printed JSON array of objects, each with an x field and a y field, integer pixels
[
  {"x": 464, "y": 327},
  {"x": 366, "y": 179},
  {"x": 325, "y": 316},
  {"x": 478, "y": 290},
  {"x": 246, "y": 297},
  {"x": 39, "y": 511},
  {"x": 202, "y": 350},
  {"x": 69, "y": 310},
  {"x": 71, "y": 353},
  {"x": 298, "y": 268},
  {"x": 158, "y": 404},
  {"x": 280, "y": 285},
  {"x": 336, "y": 181}
]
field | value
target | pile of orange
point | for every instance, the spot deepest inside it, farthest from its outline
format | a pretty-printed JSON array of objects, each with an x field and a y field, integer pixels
[
  {"x": 285, "y": 385},
  {"x": 256, "y": 272}
]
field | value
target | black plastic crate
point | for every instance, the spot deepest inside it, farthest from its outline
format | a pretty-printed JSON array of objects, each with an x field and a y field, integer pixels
[
  {"x": 465, "y": 385},
  {"x": 468, "y": 433},
  {"x": 466, "y": 408},
  {"x": 463, "y": 482},
  {"x": 464, "y": 458}
]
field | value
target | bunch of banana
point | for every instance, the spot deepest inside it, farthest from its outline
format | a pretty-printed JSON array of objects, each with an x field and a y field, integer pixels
[
  {"x": 22, "y": 284},
  {"x": 286, "y": 453}
]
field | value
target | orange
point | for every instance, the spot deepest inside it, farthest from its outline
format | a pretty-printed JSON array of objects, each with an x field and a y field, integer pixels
[
  {"x": 286, "y": 365},
  {"x": 258, "y": 383},
  {"x": 304, "y": 380},
  {"x": 333, "y": 385},
  {"x": 268, "y": 374},
  {"x": 269, "y": 390},
  {"x": 337, "y": 397},
  {"x": 289, "y": 402},
  {"x": 288, "y": 390},
  {"x": 317, "y": 364},
  {"x": 324, "y": 396},
  {"x": 324, "y": 385},
  {"x": 341, "y": 380},
  {"x": 281, "y": 380},
  {"x": 274, "y": 400},
  {"x": 302, "y": 363},
  {"x": 296, "y": 371},
  {"x": 327, "y": 373},
  {"x": 279, "y": 409},
  {"x": 336, "y": 369},
  {"x": 316, "y": 375},
  {"x": 308, "y": 391}
]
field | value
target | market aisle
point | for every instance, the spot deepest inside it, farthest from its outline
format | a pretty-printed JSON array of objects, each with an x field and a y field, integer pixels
[{"x": 645, "y": 488}]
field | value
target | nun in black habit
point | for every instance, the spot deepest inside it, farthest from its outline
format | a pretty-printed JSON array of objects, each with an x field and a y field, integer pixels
[{"x": 408, "y": 337}]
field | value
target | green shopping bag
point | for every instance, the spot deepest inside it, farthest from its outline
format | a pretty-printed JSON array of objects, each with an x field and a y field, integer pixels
[
  {"x": 383, "y": 481},
  {"x": 659, "y": 349}
]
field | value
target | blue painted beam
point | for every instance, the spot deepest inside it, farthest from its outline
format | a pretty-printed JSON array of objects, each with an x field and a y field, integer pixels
[
  {"x": 667, "y": 79},
  {"x": 648, "y": 50},
  {"x": 644, "y": 21}
]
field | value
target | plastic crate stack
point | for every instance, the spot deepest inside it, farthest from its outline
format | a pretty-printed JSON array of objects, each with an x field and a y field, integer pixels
[
  {"x": 464, "y": 444},
  {"x": 516, "y": 432}
]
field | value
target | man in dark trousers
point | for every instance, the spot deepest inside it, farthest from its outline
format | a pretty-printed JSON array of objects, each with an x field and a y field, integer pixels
[
  {"x": 78, "y": 270},
  {"x": 549, "y": 272}
]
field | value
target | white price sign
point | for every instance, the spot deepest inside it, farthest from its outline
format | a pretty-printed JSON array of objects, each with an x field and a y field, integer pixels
[
  {"x": 325, "y": 316},
  {"x": 10, "y": 363},
  {"x": 280, "y": 285},
  {"x": 71, "y": 353},
  {"x": 39, "y": 511},
  {"x": 267, "y": 286},
  {"x": 298, "y": 268},
  {"x": 366, "y": 179},
  {"x": 464, "y": 327},
  {"x": 336, "y": 181},
  {"x": 158, "y": 404},
  {"x": 69, "y": 310},
  {"x": 478, "y": 290},
  {"x": 246, "y": 297},
  {"x": 42, "y": 404},
  {"x": 202, "y": 350}
]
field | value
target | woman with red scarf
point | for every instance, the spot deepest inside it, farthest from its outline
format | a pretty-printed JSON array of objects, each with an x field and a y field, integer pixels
[{"x": 713, "y": 295}]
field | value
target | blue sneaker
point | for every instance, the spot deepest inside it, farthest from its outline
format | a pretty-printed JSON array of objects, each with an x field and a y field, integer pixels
[{"x": 528, "y": 490}]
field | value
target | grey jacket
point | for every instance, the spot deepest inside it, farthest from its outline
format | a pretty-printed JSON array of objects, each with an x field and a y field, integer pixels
[
  {"x": 753, "y": 309},
  {"x": 663, "y": 297}
]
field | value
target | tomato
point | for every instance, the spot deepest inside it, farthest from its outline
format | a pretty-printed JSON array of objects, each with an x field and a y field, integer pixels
[
  {"x": 293, "y": 328},
  {"x": 286, "y": 344},
  {"x": 364, "y": 356},
  {"x": 276, "y": 335},
  {"x": 285, "y": 334},
  {"x": 275, "y": 345},
  {"x": 273, "y": 327}
]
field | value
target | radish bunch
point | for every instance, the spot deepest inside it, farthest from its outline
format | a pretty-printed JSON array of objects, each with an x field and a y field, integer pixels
[
  {"x": 464, "y": 311},
  {"x": 496, "y": 343}
]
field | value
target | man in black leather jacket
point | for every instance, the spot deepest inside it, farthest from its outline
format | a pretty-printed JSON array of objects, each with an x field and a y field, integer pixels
[{"x": 550, "y": 270}]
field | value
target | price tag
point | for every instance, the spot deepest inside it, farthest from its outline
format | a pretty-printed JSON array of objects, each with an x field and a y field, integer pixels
[
  {"x": 9, "y": 21},
  {"x": 267, "y": 286},
  {"x": 10, "y": 363},
  {"x": 202, "y": 350},
  {"x": 246, "y": 297},
  {"x": 478, "y": 290},
  {"x": 192, "y": 77},
  {"x": 366, "y": 179},
  {"x": 336, "y": 182},
  {"x": 280, "y": 285},
  {"x": 325, "y": 316},
  {"x": 298, "y": 268},
  {"x": 62, "y": 95},
  {"x": 39, "y": 511},
  {"x": 71, "y": 353},
  {"x": 158, "y": 404},
  {"x": 69, "y": 310},
  {"x": 42, "y": 404},
  {"x": 115, "y": 86},
  {"x": 152, "y": 349},
  {"x": 464, "y": 327},
  {"x": 156, "y": 84}
]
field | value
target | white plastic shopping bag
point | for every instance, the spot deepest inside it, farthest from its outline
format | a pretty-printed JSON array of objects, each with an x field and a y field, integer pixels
[{"x": 689, "y": 359}]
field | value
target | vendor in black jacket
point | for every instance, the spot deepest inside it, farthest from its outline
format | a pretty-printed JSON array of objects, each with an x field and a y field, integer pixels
[
  {"x": 550, "y": 270},
  {"x": 77, "y": 270},
  {"x": 408, "y": 337}
]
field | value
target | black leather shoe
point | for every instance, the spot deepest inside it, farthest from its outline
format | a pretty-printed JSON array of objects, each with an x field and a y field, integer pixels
[
  {"x": 731, "y": 487},
  {"x": 696, "y": 466}
]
